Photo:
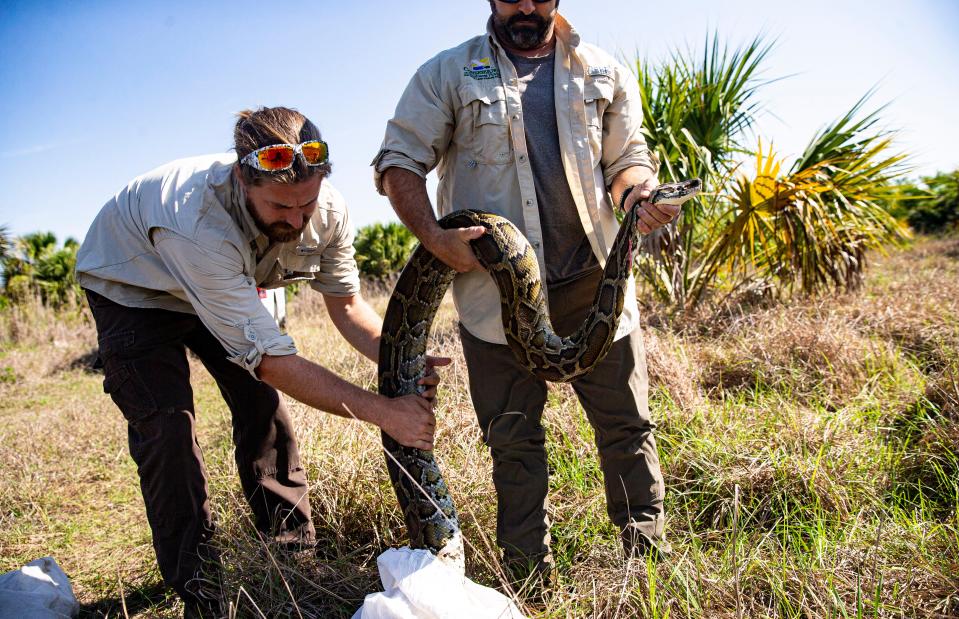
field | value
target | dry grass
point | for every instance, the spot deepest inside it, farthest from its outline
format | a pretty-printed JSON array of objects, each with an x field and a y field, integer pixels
[{"x": 810, "y": 452}]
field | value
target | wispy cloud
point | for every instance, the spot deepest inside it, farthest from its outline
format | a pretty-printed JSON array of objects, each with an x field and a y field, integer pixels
[{"x": 38, "y": 149}]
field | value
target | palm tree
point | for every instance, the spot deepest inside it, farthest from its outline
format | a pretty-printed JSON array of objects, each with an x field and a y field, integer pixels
[
  {"x": 5, "y": 244},
  {"x": 695, "y": 113},
  {"x": 37, "y": 267},
  {"x": 806, "y": 229}
]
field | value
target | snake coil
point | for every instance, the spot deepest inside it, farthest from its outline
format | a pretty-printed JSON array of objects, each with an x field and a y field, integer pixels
[{"x": 427, "y": 506}]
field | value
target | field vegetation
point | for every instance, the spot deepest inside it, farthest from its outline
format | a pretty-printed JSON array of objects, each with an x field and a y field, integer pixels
[
  {"x": 808, "y": 407},
  {"x": 811, "y": 454}
]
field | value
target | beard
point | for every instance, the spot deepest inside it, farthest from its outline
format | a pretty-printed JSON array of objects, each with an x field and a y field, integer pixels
[
  {"x": 278, "y": 232},
  {"x": 522, "y": 31}
]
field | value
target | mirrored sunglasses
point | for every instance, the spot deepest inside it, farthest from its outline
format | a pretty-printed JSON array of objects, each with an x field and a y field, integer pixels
[{"x": 278, "y": 157}]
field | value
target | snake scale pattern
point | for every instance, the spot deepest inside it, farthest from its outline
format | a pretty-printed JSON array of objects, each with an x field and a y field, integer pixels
[{"x": 427, "y": 506}]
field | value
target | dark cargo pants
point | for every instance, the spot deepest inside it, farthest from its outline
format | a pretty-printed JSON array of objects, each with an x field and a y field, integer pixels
[
  {"x": 509, "y": 404},
  {"x": 147, "y": 375}
]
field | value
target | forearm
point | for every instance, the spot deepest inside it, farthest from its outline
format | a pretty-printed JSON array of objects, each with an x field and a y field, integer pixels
[
  {"x": 357, "y": 323},
  {"x": 407, "y": 193},
  {"x": 635, "y": 175},
  {"x": 316, "y": 386}
]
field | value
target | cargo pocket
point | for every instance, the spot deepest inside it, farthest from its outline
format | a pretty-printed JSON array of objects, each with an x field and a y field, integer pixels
[
  {"x": 597, "y": 95},
  {"x": 128, "y": 391},
  {"x": 121, "y": 379},
  {"x": 484, "y": 109}
]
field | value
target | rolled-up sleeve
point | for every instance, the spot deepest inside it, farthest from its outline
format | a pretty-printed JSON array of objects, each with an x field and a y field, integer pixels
[
  {"x": 623, "y": 143},
  {"x": 419, "y": 133},
  {"x": 338, "y": 275},
  {"x": 224, "y": 298}
]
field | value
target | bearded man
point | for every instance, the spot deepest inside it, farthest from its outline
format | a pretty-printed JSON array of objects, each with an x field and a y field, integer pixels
[
  {"x": 528, "y": 122},
  {"x": 173, "y": 262}
]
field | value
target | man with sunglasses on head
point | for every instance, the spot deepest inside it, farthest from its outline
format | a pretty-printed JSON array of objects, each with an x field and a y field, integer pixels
[
  {"x": 173, "y": 262},
  {"x": 528, "y": 122}
]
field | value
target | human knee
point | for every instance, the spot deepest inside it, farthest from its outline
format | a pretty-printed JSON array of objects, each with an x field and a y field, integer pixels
[
  {"x": 514, "y": 431},
  {"x": 628, "y": 441}
]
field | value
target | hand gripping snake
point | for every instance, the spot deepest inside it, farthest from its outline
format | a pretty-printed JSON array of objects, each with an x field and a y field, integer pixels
[{"x": 503, "y": 250}]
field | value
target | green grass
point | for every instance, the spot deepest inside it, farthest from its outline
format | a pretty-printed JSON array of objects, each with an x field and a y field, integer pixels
[{"x": 811, "y": 454}]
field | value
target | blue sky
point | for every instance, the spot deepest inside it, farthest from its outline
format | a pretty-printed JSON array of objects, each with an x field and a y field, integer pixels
[{"x": 95, "y": 93}]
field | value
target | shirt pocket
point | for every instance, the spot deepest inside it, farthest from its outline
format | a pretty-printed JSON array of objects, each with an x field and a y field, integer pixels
[
  {"x": 484, "y": 112},
  {"x": 300, "y": 263},
  {"x": 597, "y": 95}
]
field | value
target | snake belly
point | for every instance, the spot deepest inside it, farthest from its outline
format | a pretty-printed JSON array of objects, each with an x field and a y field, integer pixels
[{"x": 424, "y": 498}]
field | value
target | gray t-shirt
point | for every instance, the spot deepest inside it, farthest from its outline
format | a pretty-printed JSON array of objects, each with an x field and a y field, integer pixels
[{"x": 567, "y": 250}]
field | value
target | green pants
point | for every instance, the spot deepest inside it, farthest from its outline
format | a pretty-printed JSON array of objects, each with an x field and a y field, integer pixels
[{"x": 509, "y": 404}]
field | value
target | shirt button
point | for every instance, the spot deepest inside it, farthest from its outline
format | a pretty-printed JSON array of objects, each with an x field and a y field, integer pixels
[
  {"x": 535, "y": 244},
  {"x": 529, "y": 203},
  {"x": 522, "y": 158},
  {"x": 515, "y": 116}
]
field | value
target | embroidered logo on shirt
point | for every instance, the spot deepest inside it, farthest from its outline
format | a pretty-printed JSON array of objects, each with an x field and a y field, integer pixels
[
  {"x": 481, "y": 69},
  {"x": 600, "y": 72}
]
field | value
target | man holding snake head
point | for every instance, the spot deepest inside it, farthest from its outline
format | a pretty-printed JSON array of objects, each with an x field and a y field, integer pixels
[{"x": 528, "y": 122}]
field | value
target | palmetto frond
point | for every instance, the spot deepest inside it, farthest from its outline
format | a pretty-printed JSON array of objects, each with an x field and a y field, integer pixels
[
  {"x": 5, "y": 243},
  {"x": 805, "y": 226},
  {"x": 36, "y": 244},
  {"x": 696, "y": 110},
  {"x": 810, "y": 227}
]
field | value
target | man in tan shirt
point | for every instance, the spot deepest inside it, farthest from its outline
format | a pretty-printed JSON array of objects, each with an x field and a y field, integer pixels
[
  {"x": 528, "y": 122},
  {"x": 172, "y": 263}
]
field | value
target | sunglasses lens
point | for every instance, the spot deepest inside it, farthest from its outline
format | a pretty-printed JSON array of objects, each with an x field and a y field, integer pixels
[
  {"x": 276, "y": 158},
  {"x": 315, "y": 152}
]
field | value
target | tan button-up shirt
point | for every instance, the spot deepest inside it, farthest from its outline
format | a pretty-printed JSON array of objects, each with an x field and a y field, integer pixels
[
  {"x": 180, "y": 238},
  {"x": 461, "y": 114}
]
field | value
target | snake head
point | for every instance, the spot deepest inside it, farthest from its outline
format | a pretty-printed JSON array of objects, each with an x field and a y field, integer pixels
[{"x": 676, "y": 193}]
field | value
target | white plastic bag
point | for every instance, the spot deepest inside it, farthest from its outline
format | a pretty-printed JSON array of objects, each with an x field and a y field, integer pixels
[
  {"x": 420, "y": 586},
  {"x": 38, "y": 590}
]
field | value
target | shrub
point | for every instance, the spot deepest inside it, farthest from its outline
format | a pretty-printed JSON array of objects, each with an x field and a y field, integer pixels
[
  {"x": 930, "y": 207},
  {"x": 383, "y": 249}
]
